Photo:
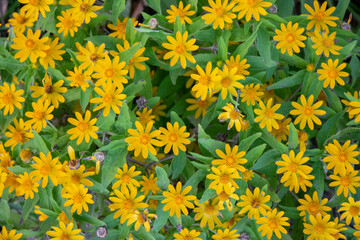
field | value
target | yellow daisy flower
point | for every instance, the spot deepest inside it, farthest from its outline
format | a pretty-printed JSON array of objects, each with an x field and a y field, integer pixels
[
  {"x": 340, "y": 227},
  {"x": 228, "y": 82},
  {"x": 174, "y": 137},
  {"x": 46, "y": 167},
  {"x": 240, "y": 65},
  {"x": 145, "y": 116},
  {"x": 77, "y": 176},
  {"x": 9, "y": 234},
  {"x": 331, "y": 72},
  {"x": 40, "y": 114},
  {"x": 355, "y": 110},
  {"x": 289, "y": 38},
  {"x": 223, "y": 179},
  {"x": 80, "y": 77},
  {"x": 223, "y": 197},
  {"x": 351, "y": 211},
  {"x": 267, "y": 116},
  {"x": 254, "y": 203},
  {"x": 34, "y": 7},
  {"x": 320, "y": 227},
  {"x": 208, "y": 213},
  {"x": 68, "y": 23},
  {"x": 347, "y": 181},
  {"x": 302, "y": 137},
  {"x": 234, "y": 115},
  {"x": 126, "y": 177},
  {"x": 185, "y": 234},
  {"x": 199, "y": 105},
  {"x": 178, "y": 201},
  {"x": 205, "y": 81},
  {"x": 50, "y": 91},
  {"x": 27, "y": 185},
  {"x": 30, "y": 46},
  {"x": 250, "y": 94},
  {"x": 230, "y": 158},
  {"x": 90, "y": 55},
  {"x": 20, "y": 21},
  {"x": 179, "y": 49},
  {"x": 247, "y": 175},
  {"x": 283, "y": 131},
  {"x": 12, "y": 183},
  {"x": 320, "y": 17},
  {"x": 65, "y": 231},
  {"x": 303, "y": 183},
  {"x": 149, "y": 184},
  {"x": 110, "y": 71},
  {"x": 252, "y": 8},
  {"x": 313, "y": 206},
  {"x": 325, "y": 44},
  {"x": 9, "y": 98},
  {"x": 84, "y": 9},
  {"x": 140, "y": 218},
  {"x": 120, "y": 27},
  {"x": 341, "y": 156},
  {"x": 53, "y": 53},
  {"x": 42, "y": 216},
  {"x": 219, "y": 13},
  {"x": 110, "y": 98},
  {"x": 84, "y": 127},
  {"x": 19, "y": 133},
  {"x": 180, "y": 12},
  {"x": 3, "y": 177},
  {"x": 226, "y": 235},
  {"x": 273, "y": 222},
  {"x": 78, "y": 198},
  {"x": 347, "y": 103},
  {"x": 307, "y": 111}
]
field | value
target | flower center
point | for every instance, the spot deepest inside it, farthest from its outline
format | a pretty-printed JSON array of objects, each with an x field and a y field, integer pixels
[
  {"x": 303, "y": 136},
  {"x": 34, "y": 2},
  {"x": 68, "y": 23},
  {"x": 45, "y": 170},
  {"x": 173, "y": 137},
  {"x": 187, "y": 237},
  {"x": 179, "y": 199},
  {"x": 319, "y": 229},
  {"x": 209, "y": 209},
  {"x": 273, "y": 224},
  {"x": 223, "y": 196},
  {"x": 144, "y": 139},
  {"x": 109, "y": 73},
  {"x": 30, "y": 44},
  {"x": 82, "y": 126},
  {"x": 27, "y": 185},
  {"x": 290, "y": 37},
  {"x": 251, "y": 93},
  {"x": 48, "y": 89},
  {"x": 126, "y": 178},
  {"x": 7, "y": 98},
  {"x": 226, "y": 82},
  {"x": 252, "y": 3},
  {"x": 75, "y": 179},
  {"x": 255, "y": 203},
  {"x": 313, "y": 208},
  {"x": 204, "y": 80},
  {"x": 180, "y": 49},
  {"x": 141, "y": 218},
  {"x": 219, "y": 12},
  {"x": 224, "y": 179},
  {"x": 20, "y": 19},
  {"x": 77, "y": 198},
  {"x": 108, "y": 98},
  {"x": 328, "y": 42},
  {"x": 79, "y": 79},
  {"x": 333, "y": 73},
  {"x": 354, "y": 211},
  {"x": 234, "y": 115},
  {"x": 201, "y": 103},
  {"x": 84, "y": 7},
  {"x": 18, "y": 137},
  {"x": 269, "y": 113},
  {"x": 342, "y": 157},
  {"x": 93, "y": 57},
  {"x": 230, "y": 160},
  {"x": 345, "y": 181},
  {"x": 64, "y": 236},
  {"x": 180, "y": 13},
  {"x": 308, "y": 111},
  {"x": 293, "y": 167},
  {"x": 319, "y": 15},
  {"x": 128, "y": 204},
  {"x": 38, "y": 115}
]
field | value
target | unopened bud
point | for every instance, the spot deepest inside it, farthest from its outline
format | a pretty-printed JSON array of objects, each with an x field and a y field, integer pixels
[
  {"x": 153, "y": 23},
  {"x": 244, "y": 236},
  {"x": 141, "y": 103},
  {"x": 272, "y": 9},
  {"x": 346, "y": 26},
  {"x": 178, "y": 227},
  {"x": 102, "y": 232},
  {"x": 99, "y": 156}
]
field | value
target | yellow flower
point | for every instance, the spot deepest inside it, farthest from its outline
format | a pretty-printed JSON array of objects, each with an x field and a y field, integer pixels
[
  {"x": 341, "y": 156},
  {"x": 149, "y": 184},
  {"x": 3, "y": 177},
  {"x": 199, "y": 105},
  {"x": 84, "y": 127},
  {"x": 140, "y": 218},
  {"x": 50, "y": 91},
  {"x": 34, "y": 7},
  {"x": 331, "y": 72},
  {"x": 18, "y": 134},
  {"x": 289, "y": 38},
  {"x": 247, "y": 174},
  {"x": 110, "y": 98},
  {"x": 78, "y": 198},
  {"x": 340, "y": 227},
  {"x": 9, "y": 98},
  {"x": 310, "y": 67},
  {"x": 90, "y": 55},
  {"x": 250, "y": 94},
  {"x": 254, "y": 203},
  {"x": 53, "y": 53},
  {"x": 347, "y": 103},
  {"x": 126, "y": 177},
  {"x": 110, "y": 71},
  {"x": 69, "y": 23},
  {"x": 120, "y": 27},
  {"x": 351, "y": 211},
  {"x": 283, "y": 131},
  {"x": 228, "y": 82},
  {"x": 320, "y": 17},
  {"x": 145, "y": 116},
  {"x": 174, "y": 137},
  {"x": 135, "y": 61},
  {"x": 223, "y": 179},
  {"x": 63, "y": 218},
  {"x": 46, "y": 167},
  {"x": 42, "y": 216},
  {"x": 31, "y": 46},
  {"x": 205, "y": 81},
  {"x": 347, "y": 181},
  {"x": 234, "y": 115},
  {"x": 224, "y": 197},
  {"x": 180, "y": 12},
  {"x": 307, "y": 112},
  {"x": 355, "y": 110},
  {"x": 320, "y": 228},
  {"x": 180, "y": 48},
  {"x": 230, "y": 158},
  {"x": 79, "y": 78},
  {"x": 219, "y": 13},
  {"x": 12, "y": 183},
  {"x": 292, "y": 167},
  {"x": 267, "y": 116},
  {"x": 41, "y": 114},
  {"x": 208, "y": 213},
  {"x": 226, "y": 235},
  {"x": 313, "y": 205},
  {"x": 142, "y": 140},
  {"x": 241, "y": 66},
  {"x": 27, "y": 185},
  {"x": 251, "y": 8},
  {"x": 185, "y": 234},
  {"x": 302, "y": 137},
  {"x": 9, "y": 235},
  {"x": 325, "y": 43},
  {"x": 127, "y": 202},
  {"x": 65, "y": 231},
  {"x": 77, "y": 176},
  {"x": 303, "y": 183},
  {"x": 273, "y": 222},
  {"x": 178, "y": 201},
  {"x": 84, "y": 9},
  {"x": 20, "y": 21}
]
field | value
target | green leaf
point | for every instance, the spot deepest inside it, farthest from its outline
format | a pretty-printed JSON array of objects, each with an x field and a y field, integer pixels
[
  {"x": 178, "y": 164},
  {"x": 117, "y": 7},
  {"x": 285, "y": 7},
  {"x": 254, "y": 154},
  {"x": 155, "y": 4},
  {"x": 176, "y": 118},
  {"x": 142, "y": 234},
  {"x": 290, "y": 212},
  {"x": 328, "y": 129},
  {"x": 208, "y": 194},
  {"x": 319, "y": 183},
  {"x": 73, "y": 57},
  {"x": 346, "y": 50},
  {"x": 291, "y": 81},
  {"x": 350, "y": 133},
  {"x": 266, "y": 159},
  {"x": 29, "y": 206},
  {"x": 105, "y": 123},
  {"x": 355, "y": 68},
  {"x": 202, "y": 158},
  {"x": 162, "y": 217},
  {"x": 113, "y": 161},
  {"x": 333, "y": 100},
  {"x": 293, "y": 137},
  {"x": 19, "y": 170},
  {"x": 196, "y": 178},
  {"x": 85, "y": 98},
  {"x": 130, "y": 32},
  {"x": 341, "y": 8},
  {"x": 125, "y": 56},
  {"x": 263, "y": 44},
  {"x": 84, "y": 217},
  {"x": 211, "y": 145},
  {"x": 294, "y": 60},
  {"x": 178, "y": 27},
  {"x": 5, "y": 210},
  {"x": 223, "y": 49},
  {"x": 308, "y": 81},
  {"x": 243, "y": 48},
  {"x": 72, "y": 94},
  {"x": 124, "y": 121},
  {"x": 113, "y": 145},
  {"x": 11, "y": 65},
  {"x": 246, "y": 143},
  {"x": 162, "y": 178},
  {"x": 39, "y": 143}
]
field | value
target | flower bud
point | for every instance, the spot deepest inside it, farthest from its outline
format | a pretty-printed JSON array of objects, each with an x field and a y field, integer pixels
[
  {"x": 272, "y": 9},
  {"x": 153, "y": 23},
  {"x": 102, "y": 232}
]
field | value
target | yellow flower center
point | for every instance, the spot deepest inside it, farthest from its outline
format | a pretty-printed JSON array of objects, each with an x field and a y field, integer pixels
[
  {"x": 255, "y": 203},
  {"x": 64, "y": 236},
  {"x": 290, "y": 37},
  {"x": 20, "y": 19},
  {"x": 308, "y": 111},
  {"x": 209, "y": 209},
  {"x": 38, "y": 115},
  {"x": 313, "y": 208},
  {"x": 327, "y": 42},
  {"x": 108, "y": 98},
  {"x": 128, "y": 204},
  {"x": 179, "y": 199},
  {"x": 79, "y": 79},
  {"x": 250, "y": 93},
  {"x": 230, "y": 160},
  {"x": 226, "y": 82},
  {"x": 234, "y": 115},
  {"x": 78, "y": 198},
  {"x": 246, "y": 174},
  {"x": 310, "y": 67},
  {"x": 180, "y": 13},
  {"x": 220, "y": 12},
  {"x": 93, "y": 57},
  {"x": 109, "y": 73},
  {"x": 223, "y": 196},
  {"x": 84, "y": 7},
  {"x": 18, "y": 137},
  {"x": 144, "y": 139},
  {"x": 30, "y": 44},
  {"x": 27, "y": 185},
  {"x": 303, "y": 136},
  {"x": 293, "y": 167},
  {"x": 319, "y": 229},
  {"x": 354, "y": 211},
  {"x": 224, "y": 179},
  {"x": 75, "y": 179},
  {"x": 201, "y": 103},
  {"x": 252, "y": 3},
  {"x": 82, "y": 126},
  {"x": 126, "y": 178},
  {"x": 45, "y": 170},
  {"x": 204, "y": 80},
  {"x": 48, "y": 89},
  {"x": 333, "y": 73},
  {"x": 345, "y": 181},
  {"x": 7, "y": 98},
  {"x": 342, "y": 157},
  {"x": 269, "y": 113},
  {"x": 68, "y": 23},
  {"x": 173, "y": 137},
  {"x": 34, "y": 2},
  {"x": 319, "y": 15},
  {"x": 180, "y": 49},
  {"x": 273, "y": 224}
]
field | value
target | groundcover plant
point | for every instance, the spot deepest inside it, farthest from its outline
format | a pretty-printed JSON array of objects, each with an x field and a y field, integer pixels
[{"x": 186, "y": 120}]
